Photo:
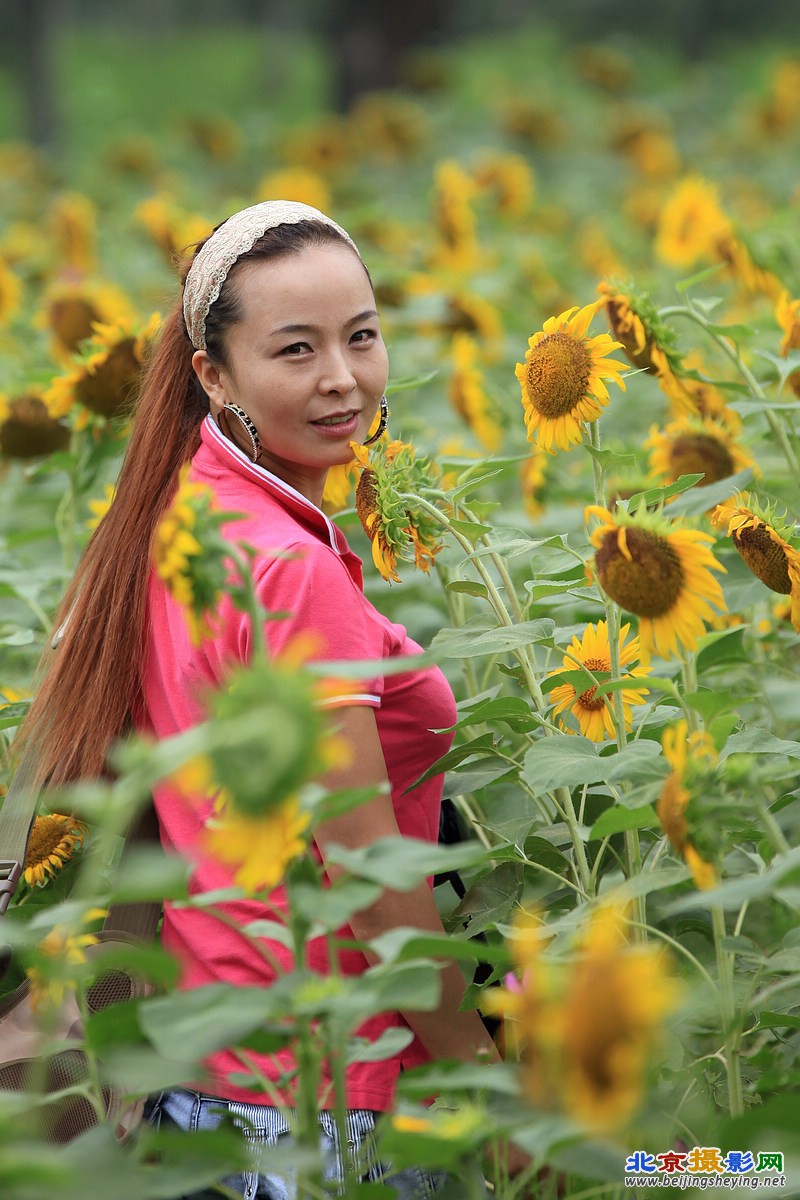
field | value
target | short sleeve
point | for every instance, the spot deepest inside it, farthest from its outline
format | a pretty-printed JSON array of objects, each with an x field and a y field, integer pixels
[{"x": 314, "y": 598}]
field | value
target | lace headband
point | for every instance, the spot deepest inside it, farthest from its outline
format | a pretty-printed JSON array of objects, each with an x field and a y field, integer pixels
[{"x": 235, "y": 237}]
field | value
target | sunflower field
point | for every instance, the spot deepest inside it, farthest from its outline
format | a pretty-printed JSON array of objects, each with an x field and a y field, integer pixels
[{"x": 587, "y": 263}]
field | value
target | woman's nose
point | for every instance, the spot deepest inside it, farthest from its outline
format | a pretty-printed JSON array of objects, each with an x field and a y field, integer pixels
[{"x": 338, "y": 375}]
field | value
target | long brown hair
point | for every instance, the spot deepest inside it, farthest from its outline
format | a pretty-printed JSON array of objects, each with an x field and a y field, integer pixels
[{"x": 91, "y": 688}]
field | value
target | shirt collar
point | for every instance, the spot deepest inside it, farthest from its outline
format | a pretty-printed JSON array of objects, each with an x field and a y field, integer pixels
[{"x": 290, "y": 499}]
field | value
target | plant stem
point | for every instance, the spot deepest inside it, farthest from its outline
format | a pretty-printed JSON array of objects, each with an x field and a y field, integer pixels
[
  {"x": 728, "y": 1012},
  {"x": 732, "y": 351},
  {"x": 633, "y": 850}
]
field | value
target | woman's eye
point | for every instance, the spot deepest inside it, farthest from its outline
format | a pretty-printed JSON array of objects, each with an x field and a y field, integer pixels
[
  {"x": 364, "y": 335},
  {"x": 295, "y": 348}
]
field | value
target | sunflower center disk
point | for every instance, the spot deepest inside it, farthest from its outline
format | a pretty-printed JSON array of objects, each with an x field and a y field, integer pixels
[
  {"x": 557, "y": 373},
  {"x": 588, "y": 699},
  {"x": 367, "y": 502},
  {"x": 765, "y": 558},
  {"x": 650, "y": 583},
  {"x": 108, "y": 390},
  {"x": 46, "y": 837},
  {"x": 698, "y": 453}
]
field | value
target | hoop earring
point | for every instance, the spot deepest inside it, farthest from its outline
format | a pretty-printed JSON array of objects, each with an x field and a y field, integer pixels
[
  {"x": 246, "y": 424},
  {"x": 384, "y": 421}
]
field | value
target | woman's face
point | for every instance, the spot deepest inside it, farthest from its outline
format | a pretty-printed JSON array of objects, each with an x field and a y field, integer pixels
[{"x": 306, "y": 362}]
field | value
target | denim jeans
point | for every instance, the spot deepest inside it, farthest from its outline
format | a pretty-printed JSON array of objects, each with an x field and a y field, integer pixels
[{"x": 264, "y": 1125}]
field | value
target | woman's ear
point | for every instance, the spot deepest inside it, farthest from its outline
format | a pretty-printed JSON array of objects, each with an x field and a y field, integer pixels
[{"x": 210, "y": 378}]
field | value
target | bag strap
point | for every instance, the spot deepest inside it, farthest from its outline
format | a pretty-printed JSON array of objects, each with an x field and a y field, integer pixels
[
  {"x": 141, "y": 917},
  {"x": 16, "y": 819}
]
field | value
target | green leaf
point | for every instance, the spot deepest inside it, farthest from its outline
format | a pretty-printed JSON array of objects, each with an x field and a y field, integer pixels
[
  {"x": 513, "y": 710},
  {"x": 468, "y": 587},
  {"x": 684, "y": 285},
  {"x": 784, "y": 365},
  {"x": 574, "y": 760},
  {"x": 407, "y": 382},
  {"x": 759, "y": 741},
  {"x": 617, "y": 819},
  {"x": 405, "y": 861},
  {"x": 190, "y": 1025},
  {"x": 578, "y": 678},
  {"x": 660, "y": 495},
  {"x": 722, "y": 646},
  {"x": 709, "y": 704},
  {"x": 610, "y": 458},
  {"x": 22, "y": 637},
  {"x": 470, "y": 643},
  {"x": 420, "y": 1082},
  {"x": 777, "y": 1020},
  {"x": 783, "y": 872},
  {"x": 701, "y": 499},
  {"x": 473, "y": 531},
  {"x": 480, "y": 748},
  {"x": 390, "y": 1042},
  {"x": 562, "y": 762},
  {"x": 488, "y": 901},
  {"x": 404, "y": 944},
  {"x": 146, "y": 874}
]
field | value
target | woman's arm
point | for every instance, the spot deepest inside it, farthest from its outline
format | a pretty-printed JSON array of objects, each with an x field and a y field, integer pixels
[{"x": 445, "y": 1032}]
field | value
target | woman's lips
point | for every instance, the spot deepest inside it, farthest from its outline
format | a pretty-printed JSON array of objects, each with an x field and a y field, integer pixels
[{"x": 338, "y": 425}]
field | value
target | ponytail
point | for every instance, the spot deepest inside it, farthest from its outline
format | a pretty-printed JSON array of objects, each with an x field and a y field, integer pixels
[{"x": 92, "y": 683}]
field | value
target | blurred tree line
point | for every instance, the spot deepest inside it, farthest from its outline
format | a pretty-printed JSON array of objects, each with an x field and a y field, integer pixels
[{"x": 369, "y": 40}]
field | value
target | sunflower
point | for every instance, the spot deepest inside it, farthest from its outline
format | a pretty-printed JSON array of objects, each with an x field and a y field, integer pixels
[
  {"x": 388, "y": 518},
  {"x": 72, "y": 309},
  {"x": 743, "y": 267},
  {"x": 189, "y": 554},
  {"x": 691, "y": 757},
  {"x": 467, "y": 312},
  {"x": 780, "y": 111},
  {"x": 532, "y": 477},
  {"x": 706, "y": 398},
  {"x": 171, "y": 227},
  {"x": 537, "y": 122},
  {"x": 10, "y": 292},
  {"x": 259, "y": 848},
  {"x": 510, "y": 181},
  {"x": 651, "y": 150},
  {"x": 324, "y": 147},
  {"x": 562, "y": 378},
  {"x": 766, "y": 542},
  {"x": 73, "y": 222},
  {"x": 586, "y": 1028},
  {"x": 647, "y": 342},
  {"x": 99, "y": 508},
  {"x": 217, "y": 137},
  {"x": 787, "y": 314},
  {"x": 27, "y": 430},
  {"x": 53, "y": 841},
  {"x": 104, "y": 379},
  {"x": 661, "y": 572},
  {"x": 455, "y": 220},
  {"x": 596, "y": 249},
  {"x": 296, "y": 183},
  {"x": 595, "y": 714},
  {"x": 53, "y": 973},
  {"x": 468, "y": 395},
  {"x": 386, "y": 125},
  {"x": 384, "y": 553},
  {"x": 691, "y": 223},
  {"x": 338, "y": 486},
  {"x": 695, "y": 446}
]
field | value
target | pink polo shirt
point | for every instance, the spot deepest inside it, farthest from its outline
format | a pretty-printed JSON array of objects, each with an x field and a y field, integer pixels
[{"x": 304, "y": 567}]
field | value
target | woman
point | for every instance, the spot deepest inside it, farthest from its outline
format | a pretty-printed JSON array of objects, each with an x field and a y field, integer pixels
[{"x": 272, "y": 364}]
